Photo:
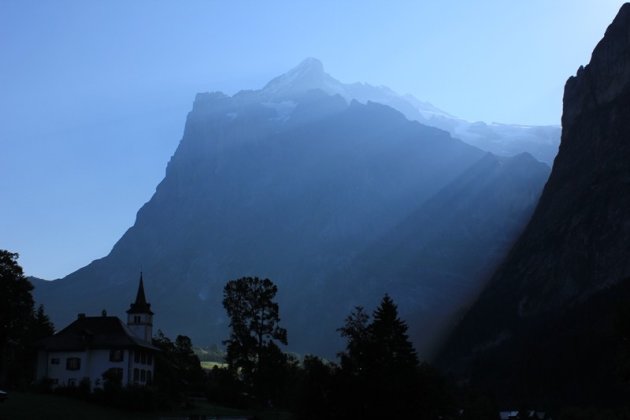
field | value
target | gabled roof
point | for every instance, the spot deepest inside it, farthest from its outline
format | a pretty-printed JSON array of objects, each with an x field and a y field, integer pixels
[
  {"x": 94, "y": 332},
  {"x": 140, "y": 306}
]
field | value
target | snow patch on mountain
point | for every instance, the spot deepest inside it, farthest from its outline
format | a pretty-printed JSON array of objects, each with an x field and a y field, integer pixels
[{"x": 502, "y": 139}]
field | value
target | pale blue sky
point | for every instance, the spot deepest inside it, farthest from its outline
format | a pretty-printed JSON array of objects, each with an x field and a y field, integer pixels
[{"x": 94, "y": 94}]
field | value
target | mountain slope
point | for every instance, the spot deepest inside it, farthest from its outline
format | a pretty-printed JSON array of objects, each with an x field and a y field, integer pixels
[
  {"x": 438, "y": 258},
  {"x": 286, "y": 182},
  {"x": 577, "y": 244}
]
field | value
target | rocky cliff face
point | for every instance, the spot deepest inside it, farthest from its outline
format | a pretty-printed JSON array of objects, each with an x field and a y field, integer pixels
[{"x": 578, "y": 241}]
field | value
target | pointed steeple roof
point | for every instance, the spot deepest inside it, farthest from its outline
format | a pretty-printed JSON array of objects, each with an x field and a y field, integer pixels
[{"x": 140, "y": 306}]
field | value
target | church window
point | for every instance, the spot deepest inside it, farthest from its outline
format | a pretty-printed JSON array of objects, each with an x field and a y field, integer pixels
[
  {"x": 143, "y": 357},
  {"x": 143, "y": 375},
  {"x": 136, "y": 319}
]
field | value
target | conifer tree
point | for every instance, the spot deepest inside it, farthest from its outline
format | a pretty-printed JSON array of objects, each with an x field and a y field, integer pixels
[
  {"x": 393, "y": 352},
  {"x": 379, "y": 368}
]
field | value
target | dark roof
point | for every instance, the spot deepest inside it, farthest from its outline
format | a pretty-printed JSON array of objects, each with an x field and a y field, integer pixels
[
  {"x": 94, "y": 332},
  {"x": 140, "y": 306}
]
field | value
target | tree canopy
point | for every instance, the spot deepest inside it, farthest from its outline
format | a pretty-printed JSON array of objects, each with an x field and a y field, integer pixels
[
  {"x": 252, "y": 352},
  {"x": 20, "y": 324},
  {"x": 16, "y": 302},
  {"x": 178, "y": 369},
  {"x": 379, "y": 367},
  {"x": 381, "y": 346}
]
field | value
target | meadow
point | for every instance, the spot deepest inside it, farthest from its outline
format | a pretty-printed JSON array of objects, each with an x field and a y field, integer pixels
[{"x": 32, "y": 406}]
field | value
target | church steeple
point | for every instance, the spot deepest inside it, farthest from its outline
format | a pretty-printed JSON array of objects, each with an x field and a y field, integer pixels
[
  {"x": 140, "y": 306},
  {"x": 140, "y": 316}
]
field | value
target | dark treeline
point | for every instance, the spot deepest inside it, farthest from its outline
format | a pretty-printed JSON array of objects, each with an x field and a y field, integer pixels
[{"x": 377, "y": 374}]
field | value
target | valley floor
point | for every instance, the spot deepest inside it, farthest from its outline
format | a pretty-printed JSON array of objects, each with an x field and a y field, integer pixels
[{"x": 30, "y": 406}]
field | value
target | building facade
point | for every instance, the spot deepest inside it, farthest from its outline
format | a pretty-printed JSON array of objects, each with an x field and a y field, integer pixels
[{"x": 99, "y": 348}]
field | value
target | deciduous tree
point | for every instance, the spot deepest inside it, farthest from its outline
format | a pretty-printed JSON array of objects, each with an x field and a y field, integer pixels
[{"x": 252, "y": 349}]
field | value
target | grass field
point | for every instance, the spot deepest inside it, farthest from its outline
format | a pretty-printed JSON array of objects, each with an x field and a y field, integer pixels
[
  {"x": 26, "y": 406},
  {"x": 210, "y": 365}
]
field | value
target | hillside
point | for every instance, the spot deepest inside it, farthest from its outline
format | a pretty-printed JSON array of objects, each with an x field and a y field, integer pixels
[{"x": 294, "y": 184}]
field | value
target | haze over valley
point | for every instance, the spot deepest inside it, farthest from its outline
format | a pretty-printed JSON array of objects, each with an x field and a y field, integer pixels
[
  {"x": 336, "y": 200},
  {"x": 317, "y": 248}
]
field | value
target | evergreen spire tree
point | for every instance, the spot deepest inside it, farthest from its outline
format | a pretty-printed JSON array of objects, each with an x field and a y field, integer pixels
[
  {"x": 379, "y": 369},
  {"x": 394, "y": 352},
  {"x": 394, "y": 363}
]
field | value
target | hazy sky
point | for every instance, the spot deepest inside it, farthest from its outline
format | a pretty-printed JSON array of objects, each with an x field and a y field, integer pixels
[{"x": 94, "y": 94}]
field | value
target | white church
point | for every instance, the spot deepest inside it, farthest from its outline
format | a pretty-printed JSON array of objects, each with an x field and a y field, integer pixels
[{"x": 94, "y": 345}]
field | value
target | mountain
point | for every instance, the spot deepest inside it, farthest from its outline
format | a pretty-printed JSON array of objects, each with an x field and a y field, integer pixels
[
  {"x": 300, "y": 185},
  {"x": 550, "y": 307},
  {"x": 501, "y": 139},
  {"x": 436, "y": 260}
]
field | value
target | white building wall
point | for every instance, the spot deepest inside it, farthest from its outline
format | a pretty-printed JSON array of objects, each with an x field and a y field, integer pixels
[
  {"x": 144, "y": 364},
  {"x": 58, "y": 371},
  {"x": 93, "y": 363},
  {"x": 99, "y": 363}
]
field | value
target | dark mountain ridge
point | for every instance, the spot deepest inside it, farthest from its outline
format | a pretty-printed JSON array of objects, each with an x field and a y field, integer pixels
[{"x": 576, "y": 246}]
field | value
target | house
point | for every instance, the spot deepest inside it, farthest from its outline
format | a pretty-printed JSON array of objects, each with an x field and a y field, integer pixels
[{"x": 93, "y": 345}]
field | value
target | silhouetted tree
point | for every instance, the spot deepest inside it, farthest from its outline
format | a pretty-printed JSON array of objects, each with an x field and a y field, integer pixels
[
  {"x": 188, "y": 362},
  {"x": 393, "y": 352},
  {"x": 20, "y": 325},
  {"x": 380, "y": 375},
  {"x": 252, "y": 352},
  {"x": 177, "y": 368},
  {"x": 392, "y": 370},
  {"x": 357, "y": 334},
  {"x": 318, "y": 391},
  {"x": 352, "y": 396},
  {"x": 224, "y": 388},
  {"x": 38, "y": 326},
  {"x": 42, "y": 325},
  {"x": 478, "y": 406}
]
